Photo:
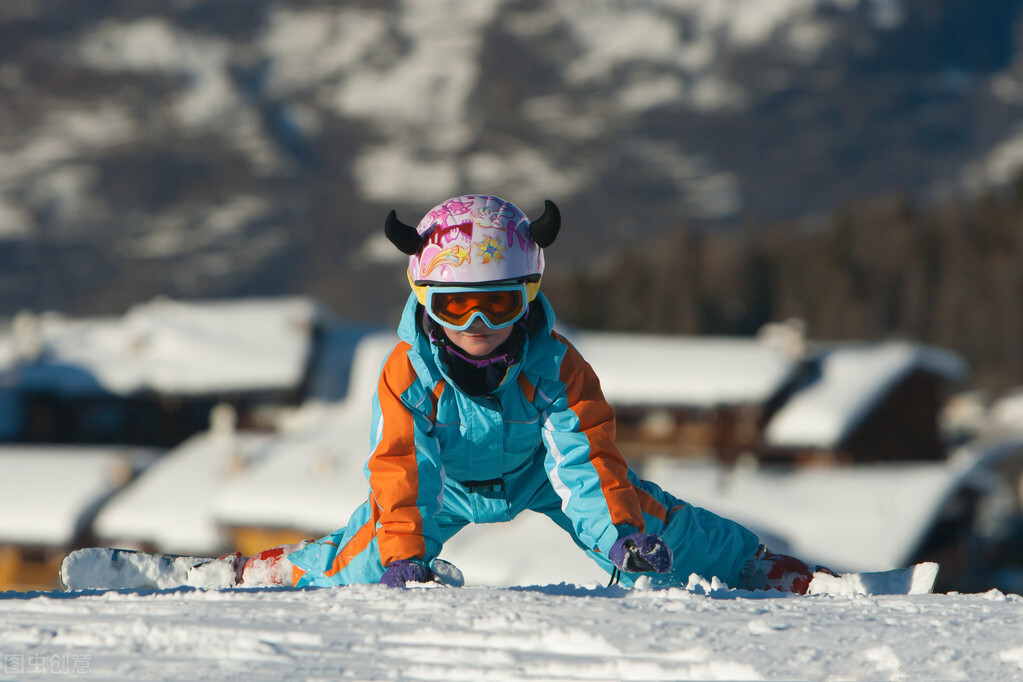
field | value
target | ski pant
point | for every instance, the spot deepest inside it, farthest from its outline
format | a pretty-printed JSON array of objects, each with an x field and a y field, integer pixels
[{"x": 702, "y": 542}]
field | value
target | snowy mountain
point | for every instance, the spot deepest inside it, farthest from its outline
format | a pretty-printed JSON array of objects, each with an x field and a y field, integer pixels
[{"x": 214, "y": 149}]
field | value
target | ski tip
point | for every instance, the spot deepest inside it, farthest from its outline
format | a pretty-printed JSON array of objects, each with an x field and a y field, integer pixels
[
  {"x": 446, "y": 573},
  {"x": 924, "y": 576},
  {"x": 915, "y": 579}
]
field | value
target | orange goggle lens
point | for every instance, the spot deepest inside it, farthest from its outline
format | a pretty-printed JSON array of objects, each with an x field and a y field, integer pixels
[{"x": 457, "y": 307}]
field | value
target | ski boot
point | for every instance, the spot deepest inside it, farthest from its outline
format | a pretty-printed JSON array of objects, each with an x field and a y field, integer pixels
[
  {"x": 264, "y": 569},
  {"x": 769, "y": 571}
]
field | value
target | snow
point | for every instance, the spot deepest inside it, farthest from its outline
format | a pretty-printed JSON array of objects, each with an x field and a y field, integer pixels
[
  {"x": 311, "y": 476},
  {"x": 612, "y": 34},
  {"x": 410, "y": 74},
  {"x": 610, "y": 38},
  {"x": 391, "y": 72},
  {"x": 388, "y": 171},
  {"x": 318, "y": 44},
  {"x": 1001, "y": 162},
  {"x": 155, "y": 46},
  {"x": 420, "y": 103},
  {"x": 552, "y": 632},
  {"x": 524, "y": 172},
  {"x": 1007, "y": 411},
  {"x": 217, "y": 223}
]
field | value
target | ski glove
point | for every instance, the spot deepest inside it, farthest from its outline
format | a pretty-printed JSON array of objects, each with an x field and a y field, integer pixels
[
  {"x": 403, "y": 571},
  {"x": 640, "y": 553}
]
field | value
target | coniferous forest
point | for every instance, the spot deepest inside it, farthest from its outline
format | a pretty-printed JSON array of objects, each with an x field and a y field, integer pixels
[{"x": 947, "y": 275}]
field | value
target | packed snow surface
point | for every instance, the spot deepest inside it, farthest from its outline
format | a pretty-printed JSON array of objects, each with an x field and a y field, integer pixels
[{"x": 554, "y": 632}]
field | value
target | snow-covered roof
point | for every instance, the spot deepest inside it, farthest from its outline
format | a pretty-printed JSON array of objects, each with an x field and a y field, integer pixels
[
  {"x": 170, "y": 505},
  {"x": 166, "y": 346},
  {"x": 848, "y": 518},
  {"x": 49, "y": 493},
  {"x": 851, "y": 379},
  {"x": 639, "y": 369}
]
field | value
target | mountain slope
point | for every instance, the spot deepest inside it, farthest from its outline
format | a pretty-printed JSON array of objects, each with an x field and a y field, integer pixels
[{"x": 200, "y": 149}]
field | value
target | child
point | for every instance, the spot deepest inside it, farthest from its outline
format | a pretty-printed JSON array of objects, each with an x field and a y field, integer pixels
[{"x": 483, "y": 411}]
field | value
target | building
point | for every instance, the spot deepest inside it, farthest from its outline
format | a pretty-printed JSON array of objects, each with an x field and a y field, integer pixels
[
  {"x": 49, "y": 497},
  {"x": 152, "y": 376}
]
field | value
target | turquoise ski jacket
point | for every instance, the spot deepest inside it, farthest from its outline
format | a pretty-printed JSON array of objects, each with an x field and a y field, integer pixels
[{"x": 543, "y": 440}]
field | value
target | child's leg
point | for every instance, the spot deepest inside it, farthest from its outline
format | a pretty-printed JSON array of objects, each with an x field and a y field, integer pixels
[
  {"x": 351, "y": 554},
  {"x": 710, "y": 545},
  {"x": 701, "y": 542},
  {"x": 348, "y": 555}
]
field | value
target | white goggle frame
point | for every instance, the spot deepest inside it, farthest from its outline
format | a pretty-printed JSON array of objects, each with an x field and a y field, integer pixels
[{"x": 428, "y": 304}]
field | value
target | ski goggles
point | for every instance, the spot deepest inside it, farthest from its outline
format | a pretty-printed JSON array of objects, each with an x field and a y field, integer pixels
[{"x": 458, "y": 307}]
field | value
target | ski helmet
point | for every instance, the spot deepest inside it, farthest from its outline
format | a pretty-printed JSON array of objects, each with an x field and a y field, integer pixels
[{"x": 475, "y": 239}]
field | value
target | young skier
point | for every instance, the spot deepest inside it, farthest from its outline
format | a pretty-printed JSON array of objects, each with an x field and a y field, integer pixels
[{"x": 483, "y": 411}]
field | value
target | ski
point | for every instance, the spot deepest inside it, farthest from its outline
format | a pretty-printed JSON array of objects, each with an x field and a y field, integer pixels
[
  {"x": 103, "y": 568},
  {"x": 446, "y": 573},
  {"x": 915, "y": 579}
]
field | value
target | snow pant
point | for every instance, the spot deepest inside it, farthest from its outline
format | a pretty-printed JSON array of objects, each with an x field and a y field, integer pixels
[{"x": 702, "y": 542}]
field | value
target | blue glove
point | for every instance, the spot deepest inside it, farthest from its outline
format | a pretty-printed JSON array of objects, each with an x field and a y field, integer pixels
[
  {"x": 640, "y": 553},
  {"x": 403, "y": 571}
]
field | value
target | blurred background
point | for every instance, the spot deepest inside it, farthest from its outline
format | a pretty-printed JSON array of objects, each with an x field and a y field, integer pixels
[{"x": 851, "y": 170}]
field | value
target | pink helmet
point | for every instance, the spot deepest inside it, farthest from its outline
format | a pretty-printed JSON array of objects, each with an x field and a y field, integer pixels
[{"x": 475, "y": 239}]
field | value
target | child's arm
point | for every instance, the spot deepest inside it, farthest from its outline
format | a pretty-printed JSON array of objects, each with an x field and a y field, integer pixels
[
  {"x": 583, "y": 462},
  {"x": 404, "y": 468}
]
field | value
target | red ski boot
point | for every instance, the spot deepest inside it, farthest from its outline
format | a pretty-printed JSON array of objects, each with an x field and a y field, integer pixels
[
  {"x": 769, "y": 571},
  {"x": 269, "y": 567}
]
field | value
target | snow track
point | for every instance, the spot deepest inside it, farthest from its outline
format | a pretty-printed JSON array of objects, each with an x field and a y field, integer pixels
[{"x": 560, "y": 632}]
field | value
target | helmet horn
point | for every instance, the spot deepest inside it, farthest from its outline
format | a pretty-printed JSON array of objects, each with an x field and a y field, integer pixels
[
  {"x": 544, "y": 230},
  {"x": 402, "y": 235}
]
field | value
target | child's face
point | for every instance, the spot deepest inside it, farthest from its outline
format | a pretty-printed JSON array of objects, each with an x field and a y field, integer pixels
[{"x": 478, "y": 339}]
